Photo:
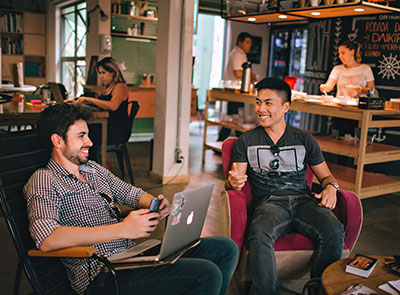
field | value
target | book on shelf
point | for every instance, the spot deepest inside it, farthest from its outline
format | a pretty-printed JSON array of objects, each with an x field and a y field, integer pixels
[
  {"x": 361, "y": 265},
  {"x": 12, "y": 22}
]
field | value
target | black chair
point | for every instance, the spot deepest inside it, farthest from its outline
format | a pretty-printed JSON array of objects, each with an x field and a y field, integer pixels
[
  {"x": 20, "y": 156},
  {"x": 121, "y": 148}
]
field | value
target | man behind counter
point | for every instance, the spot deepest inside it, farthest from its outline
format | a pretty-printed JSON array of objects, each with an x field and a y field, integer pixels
[{"x": 233, "y": 72}]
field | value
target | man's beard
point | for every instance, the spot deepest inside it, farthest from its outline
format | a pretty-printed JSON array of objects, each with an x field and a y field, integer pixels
[
  {"x": 75, "y": 158},
  {"x": 78, "y": 160}
]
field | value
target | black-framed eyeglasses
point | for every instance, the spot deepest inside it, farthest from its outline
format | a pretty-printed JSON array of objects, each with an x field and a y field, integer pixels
[
  {"x": 115, "y": 210},
  {"x": 275, "y": 162}
]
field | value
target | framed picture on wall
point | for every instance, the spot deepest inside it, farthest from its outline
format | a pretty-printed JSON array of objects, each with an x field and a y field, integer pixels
[{"x": 254, "y": 56}]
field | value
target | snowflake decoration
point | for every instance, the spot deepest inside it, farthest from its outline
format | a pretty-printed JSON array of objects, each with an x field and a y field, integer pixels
[{"x": 389, "y": 67}]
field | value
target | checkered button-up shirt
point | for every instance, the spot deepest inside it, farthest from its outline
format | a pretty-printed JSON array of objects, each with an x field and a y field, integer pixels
[{"x": 56, "y": 198}]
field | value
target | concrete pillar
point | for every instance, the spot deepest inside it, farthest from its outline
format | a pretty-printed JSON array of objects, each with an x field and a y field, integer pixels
[
  {"x": 53, "y": 47},
  {"x": 173, "y": 90}
]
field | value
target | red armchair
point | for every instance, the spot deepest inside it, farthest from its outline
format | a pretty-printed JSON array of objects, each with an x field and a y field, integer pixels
[{"x": 292, "y": 251}]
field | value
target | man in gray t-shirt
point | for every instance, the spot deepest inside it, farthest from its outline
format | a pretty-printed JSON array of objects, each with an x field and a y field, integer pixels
[
  {"x": 296, "y": 149},
  {"x": 274, "y": 157}
]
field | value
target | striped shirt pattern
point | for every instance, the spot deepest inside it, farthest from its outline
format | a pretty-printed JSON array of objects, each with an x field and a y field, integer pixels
[{"x": 55, "y": 197}]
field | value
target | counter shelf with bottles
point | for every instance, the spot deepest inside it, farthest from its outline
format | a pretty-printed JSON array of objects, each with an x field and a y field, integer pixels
[{"x": 128, "y": 26}]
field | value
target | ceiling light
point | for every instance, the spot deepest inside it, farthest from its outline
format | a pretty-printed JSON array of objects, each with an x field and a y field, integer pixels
[
  {"x": 251, "y": 19},
  {"x": 315, "y": 13},
  {"x": 359, "y": 9},
  {"x": 282, "y": 16}
]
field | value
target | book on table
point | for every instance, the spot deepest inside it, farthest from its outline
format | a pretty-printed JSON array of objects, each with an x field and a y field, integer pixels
[
  {"x": 361, "y": 265},
  {"x": 358, "y": 289},
  {"x": 391, "y": 287}
]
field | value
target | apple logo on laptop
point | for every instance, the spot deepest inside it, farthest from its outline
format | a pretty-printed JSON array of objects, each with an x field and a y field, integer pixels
[{"x": 189, "y": 219}]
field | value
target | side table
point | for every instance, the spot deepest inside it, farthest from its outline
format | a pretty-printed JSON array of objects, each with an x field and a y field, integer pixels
[{"x": 336, "y": 280}]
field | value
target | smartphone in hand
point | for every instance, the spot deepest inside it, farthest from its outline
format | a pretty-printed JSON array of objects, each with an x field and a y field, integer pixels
[{"x": 154, "y": 205}]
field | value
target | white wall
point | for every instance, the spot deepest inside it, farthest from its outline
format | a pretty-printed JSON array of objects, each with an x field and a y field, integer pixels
[
  {"x": 260, "y": 30},
  {"x": 97, "y": 27}
]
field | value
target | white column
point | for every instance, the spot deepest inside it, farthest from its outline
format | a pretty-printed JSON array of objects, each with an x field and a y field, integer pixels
[
  {"x": 173, "y": 90},
  {"x": 97, "y": 27}
]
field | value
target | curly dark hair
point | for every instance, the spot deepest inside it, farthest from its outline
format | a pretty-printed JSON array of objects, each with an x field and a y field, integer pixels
[{"x": 57, "y": 119}]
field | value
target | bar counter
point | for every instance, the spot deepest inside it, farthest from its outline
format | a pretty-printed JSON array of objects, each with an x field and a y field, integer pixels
[{"x": 364, "y": 184}]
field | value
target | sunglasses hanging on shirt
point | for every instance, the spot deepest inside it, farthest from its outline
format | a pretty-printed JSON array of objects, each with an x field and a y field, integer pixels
[
  {"x": 274, "y": 164},
  {"x": 114, "y": 209}
]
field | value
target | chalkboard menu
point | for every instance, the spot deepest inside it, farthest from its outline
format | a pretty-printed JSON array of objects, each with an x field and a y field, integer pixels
[{"x": 379, "y": 36}]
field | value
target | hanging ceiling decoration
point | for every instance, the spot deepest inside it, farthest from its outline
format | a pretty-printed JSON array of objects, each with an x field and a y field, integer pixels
[{"x": 271, "y": 11}]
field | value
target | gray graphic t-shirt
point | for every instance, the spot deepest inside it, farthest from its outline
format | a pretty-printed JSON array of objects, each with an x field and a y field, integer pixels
[{"x": 277, "y": 169}]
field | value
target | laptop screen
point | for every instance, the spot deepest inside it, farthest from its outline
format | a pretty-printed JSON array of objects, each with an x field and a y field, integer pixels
[{"x": 185, "y": 223}]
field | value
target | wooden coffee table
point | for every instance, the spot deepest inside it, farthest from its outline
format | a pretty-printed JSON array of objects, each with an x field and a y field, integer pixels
[{"x": 336, "y": 280}]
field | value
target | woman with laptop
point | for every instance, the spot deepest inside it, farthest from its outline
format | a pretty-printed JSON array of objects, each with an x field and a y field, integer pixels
[{"x": 114, "y": 100}]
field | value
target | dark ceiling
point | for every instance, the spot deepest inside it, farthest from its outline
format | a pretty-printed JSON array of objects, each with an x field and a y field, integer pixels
[{"x": 210, "y": 4}]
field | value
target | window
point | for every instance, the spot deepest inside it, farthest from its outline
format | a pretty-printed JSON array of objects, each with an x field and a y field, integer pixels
[
  {"x": 208, "y": 46},
  {"x": 73, "y": 47}
]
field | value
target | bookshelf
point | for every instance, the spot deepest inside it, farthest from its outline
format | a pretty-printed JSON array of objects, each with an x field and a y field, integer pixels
[{"x": 23, "y": 40}]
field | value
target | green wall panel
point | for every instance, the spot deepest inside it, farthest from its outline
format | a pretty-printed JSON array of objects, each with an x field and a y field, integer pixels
[
  {"x": 143, "y": 125},
  {"x": 139, "y": 57}
]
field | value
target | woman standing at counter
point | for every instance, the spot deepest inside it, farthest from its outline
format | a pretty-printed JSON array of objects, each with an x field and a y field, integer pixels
[
  {"x": 351, "y": 77},
  {"x": 114, "y": 99}
]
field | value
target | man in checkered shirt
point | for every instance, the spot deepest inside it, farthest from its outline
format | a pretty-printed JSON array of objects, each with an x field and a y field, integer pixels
[{"x": 71, "y": 203}]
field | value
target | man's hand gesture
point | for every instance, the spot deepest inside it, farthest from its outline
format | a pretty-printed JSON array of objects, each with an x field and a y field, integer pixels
[
  {"x": 235, "y": 179},
  {"x": 328, "y": 197}
]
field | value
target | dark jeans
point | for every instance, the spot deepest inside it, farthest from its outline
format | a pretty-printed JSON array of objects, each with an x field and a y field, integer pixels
[
  {"x": 284, "y": 214},
  {"x": 206, "y": 269}
]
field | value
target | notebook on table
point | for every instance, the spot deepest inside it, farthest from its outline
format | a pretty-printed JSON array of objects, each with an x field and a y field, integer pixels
[{"x": 185, "y": 223}]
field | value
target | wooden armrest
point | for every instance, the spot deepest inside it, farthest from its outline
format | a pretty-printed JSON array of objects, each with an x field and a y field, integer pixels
[{"x": 72, "y": 252}]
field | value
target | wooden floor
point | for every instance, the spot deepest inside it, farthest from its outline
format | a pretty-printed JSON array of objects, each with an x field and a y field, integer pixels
[{"x": 379, "y": 236}]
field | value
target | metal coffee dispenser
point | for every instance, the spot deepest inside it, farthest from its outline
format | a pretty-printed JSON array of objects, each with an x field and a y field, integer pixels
[{"x": 246, "y": 77}]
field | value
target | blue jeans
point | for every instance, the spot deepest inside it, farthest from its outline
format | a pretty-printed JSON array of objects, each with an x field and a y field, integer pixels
[
  {"x": 206, "y": 269},
  {"x": 284, "y": 214}
]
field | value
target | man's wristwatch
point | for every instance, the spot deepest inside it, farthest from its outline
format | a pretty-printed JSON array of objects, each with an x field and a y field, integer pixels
[{"x": 334, "y": 184}]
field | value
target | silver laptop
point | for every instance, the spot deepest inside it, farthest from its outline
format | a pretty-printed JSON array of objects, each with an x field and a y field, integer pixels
[{"x": 185, "y": 223}]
